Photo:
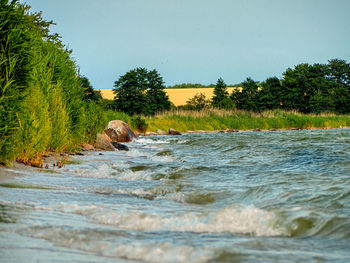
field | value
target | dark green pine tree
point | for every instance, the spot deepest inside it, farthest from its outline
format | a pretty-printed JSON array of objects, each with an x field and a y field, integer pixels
[
  {"x": 270, "y": 94},
  {"x": 220, "y": 92},
  {"x": 221, "y": 97},
  {"x": 247, "y": 99}
]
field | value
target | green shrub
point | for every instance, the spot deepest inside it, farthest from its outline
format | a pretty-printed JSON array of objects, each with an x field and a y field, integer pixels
[{"x": 139, "y": 124}]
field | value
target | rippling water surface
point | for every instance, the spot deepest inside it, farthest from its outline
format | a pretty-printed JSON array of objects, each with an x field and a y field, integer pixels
[{"x": 279, "y": 196}]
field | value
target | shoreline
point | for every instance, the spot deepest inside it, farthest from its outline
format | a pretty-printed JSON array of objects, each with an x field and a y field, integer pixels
[
  {"x": 246, "y": 130},
  {"x": 53, "y": 160}
]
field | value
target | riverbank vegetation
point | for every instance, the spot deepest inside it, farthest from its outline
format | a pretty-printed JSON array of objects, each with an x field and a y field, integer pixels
[{"x": 213, "y": 119}]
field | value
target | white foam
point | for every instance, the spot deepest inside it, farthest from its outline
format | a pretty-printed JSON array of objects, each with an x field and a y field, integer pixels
[
  {"x": 118, "y": 171},
  {"x": 154, "y": 158},
  {"x": 150, "y": 141},
  {"x": 134, "y": 176},
  {"x": 94, "y": 241},
  {"x": 239, "y": 220},
  {"x": 163, "y": 252}
]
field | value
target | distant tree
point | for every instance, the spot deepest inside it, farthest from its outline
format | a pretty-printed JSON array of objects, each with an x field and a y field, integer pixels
[
  {"x": 198, "y": 102},
  {"x": 303, "y": 84},
  {"x": 269, "y": 97},
  {"x": 190, "y": 86},
  {"x": 338, "y": 71},
  {"x": 140, "y": 91},
  {"x": 157, "y": 99},
  {"x": 247, "y": 98},
  {"x": 88, "y": 91},
  {"x": 220, "y": 98}
]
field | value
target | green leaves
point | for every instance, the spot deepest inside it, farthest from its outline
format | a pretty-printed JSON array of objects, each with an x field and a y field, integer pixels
[
  {"x": 221, "y": 98},
  {"x": 140, "y": 91}
]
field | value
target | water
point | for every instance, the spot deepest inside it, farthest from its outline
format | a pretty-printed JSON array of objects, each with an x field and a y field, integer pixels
[{"x": 280, "y": 196}]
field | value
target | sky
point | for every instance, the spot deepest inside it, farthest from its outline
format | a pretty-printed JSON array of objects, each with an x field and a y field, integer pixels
[{"x": 198, "y": 41}]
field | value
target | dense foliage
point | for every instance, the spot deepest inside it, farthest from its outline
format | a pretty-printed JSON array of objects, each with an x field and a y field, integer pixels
[
  {"x": 198, "y": 102},
  {"x": 44, "y": 103},
  {"x": 140, "y": 91},
  {"x": 221, "y": 98},
  {"x": 305, "y": 88}
]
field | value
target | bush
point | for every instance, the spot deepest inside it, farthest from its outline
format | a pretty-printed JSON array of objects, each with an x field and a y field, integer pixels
[{"x": 139, "y": 124}]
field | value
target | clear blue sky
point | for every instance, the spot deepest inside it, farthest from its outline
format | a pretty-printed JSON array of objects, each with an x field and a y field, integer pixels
[{"x": 198, "y": 41}]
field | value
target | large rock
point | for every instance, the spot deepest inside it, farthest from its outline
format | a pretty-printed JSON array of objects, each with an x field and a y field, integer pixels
[
  {"x": 103, "y": 142},
  {"x": 119, "y": 131},
  {"x": 174, "y": 132},
  {"x": 161, "y": 132}
]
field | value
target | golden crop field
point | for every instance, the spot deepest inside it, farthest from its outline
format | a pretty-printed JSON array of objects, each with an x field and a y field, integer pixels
[{"x": 176, "y": 96}]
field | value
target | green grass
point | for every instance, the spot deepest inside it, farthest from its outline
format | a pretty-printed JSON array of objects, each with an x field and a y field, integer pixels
[{"x": 214, "y": 119}]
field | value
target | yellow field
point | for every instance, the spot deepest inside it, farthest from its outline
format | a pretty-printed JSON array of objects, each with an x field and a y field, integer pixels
[{"x": 176, "y": 96}]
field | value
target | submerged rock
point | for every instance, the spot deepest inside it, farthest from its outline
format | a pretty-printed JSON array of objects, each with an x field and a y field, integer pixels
[
  {"x": 174, "y": 132},
  {"x": 119, "y": 131},
  {"x": 120, "y": 147}
]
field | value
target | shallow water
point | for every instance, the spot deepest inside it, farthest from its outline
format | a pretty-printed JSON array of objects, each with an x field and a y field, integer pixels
[{"x": 280, "y": 196}]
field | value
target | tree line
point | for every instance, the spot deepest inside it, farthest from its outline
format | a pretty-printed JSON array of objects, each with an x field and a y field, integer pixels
[{"x": 305, "y": 88}]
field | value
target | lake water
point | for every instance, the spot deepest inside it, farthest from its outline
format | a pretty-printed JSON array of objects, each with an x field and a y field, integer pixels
[{"x": 281, "y": 196}]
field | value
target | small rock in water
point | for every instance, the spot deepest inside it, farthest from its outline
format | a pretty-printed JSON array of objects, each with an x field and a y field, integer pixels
[
  {"x": 174, "y": 132},
  {"x": 231, "y": 130},
  {"x": 120, "y": 147},
  {"x": 151, "y": 133}
]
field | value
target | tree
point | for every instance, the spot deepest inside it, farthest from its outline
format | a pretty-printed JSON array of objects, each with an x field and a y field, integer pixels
[
  {"x": 338, "y": 71},
  {"x": 270, "y": 94},
  {"x": 247, "y": 98},
  {"x": 89, "y": 94},
  {"x": 158, "y": 100},
  {"x": 303, "y": 83},
  {"x": 140, "y": 91},
  {"x": 221, "y": 98},
  {"x": 198, "y": 102}
]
